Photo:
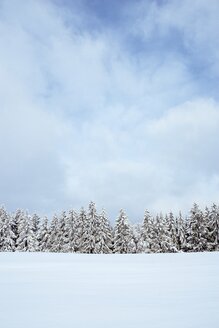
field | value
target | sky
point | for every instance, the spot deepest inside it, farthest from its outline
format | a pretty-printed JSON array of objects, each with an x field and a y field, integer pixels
[{"x": 111, "y": 101}]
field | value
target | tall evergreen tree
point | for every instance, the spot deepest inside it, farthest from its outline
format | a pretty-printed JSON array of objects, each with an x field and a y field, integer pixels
[
  {"x": 212, "y": 219},
  {"x": 35, "y": 223},
  {"x": 147, "y": 232},
  {"x": 180, "y": 233},
  {"x": 7, "y": 237},
  {"x": 79, "y": 231},
  {"x": 156, "y": 238},
  {"x": 53, "y": 245},
  {"x": 170, "y": 236},
  {"x": 88, "y": 240},
  {"x": 71, "y": 233},
  {"x": 123, "y": 239},
  {"x": 103, "y": 235},
  {"x": 3, "y": 227},
  {"x": 139, "y": 243},
  {"x": 61, "y": 233},
  {"x": 196, "y": 231},
  {"x": 23, "y": 232},
  {"x": 44, "y": 236},
  {"x": 33, "y": 230}
]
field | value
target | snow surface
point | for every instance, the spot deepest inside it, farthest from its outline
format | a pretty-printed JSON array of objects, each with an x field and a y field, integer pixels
[{"x": 71, "y": 290}]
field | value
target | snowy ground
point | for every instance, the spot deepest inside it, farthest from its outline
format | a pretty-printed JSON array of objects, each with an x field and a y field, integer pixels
[{"x": 70, "y": 290}]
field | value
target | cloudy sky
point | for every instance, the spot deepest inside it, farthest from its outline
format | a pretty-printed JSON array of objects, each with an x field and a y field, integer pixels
[{"x": 111, "y": 101}]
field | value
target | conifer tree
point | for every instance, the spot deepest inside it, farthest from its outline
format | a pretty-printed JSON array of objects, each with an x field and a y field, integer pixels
[
  {"x": 156, "y": 234},
  {"x": 70, "y": 234},
  {"x": 196, "y": 231},
  {"x": 79, "y": 231},
  {"x": 61, "y": 233},
  {"x": 33, "y": 229},
  {"x": 35, "y": 223},
  {"x": 14, "y": 226},
  {"x": 138, "y": 239},
  {"x": 7, "y": 238},
  {"x": 43, "y": 238},
  {"x": 212, "y": 218},
  {"x": 53, "y": 244},
  {"x": 103, "y": 235},
  {"x": 123, "y": 240},
  {"x": 169, "y": 234},
  {"x": 148, "y": 233},
  {"x": 88, "y": 239},
  {"x": 180, "y": 233},
  {"x": 23, "y": 232},
  {"x": 165, "y": 242},
  {"x": 3, "y": 227}
]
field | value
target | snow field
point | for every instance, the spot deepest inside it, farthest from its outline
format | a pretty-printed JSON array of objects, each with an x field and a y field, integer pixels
[{"x": 44, "y": 290}]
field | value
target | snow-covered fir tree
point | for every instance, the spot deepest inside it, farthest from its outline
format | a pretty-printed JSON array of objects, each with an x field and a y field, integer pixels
[
  {"x": 79, "y": 231},
  {"x": 43, "y": 236},
  {"x": 32, "y": 238},
  {"x": 138, "y": 239},
  {"x": 196, "y": 231},
  {"x": 156, "y": 234},
  {"x": 88, "y": 239},
  {"x": 103, "y": 235},
  {"x": 35, "y": 226},
  {"x": 123, "y": 238},
  {"x": 70, "y": 233},
  {"x": 61, "y": 233},
  {"x": 170, "y": 235},
  {"x": 53, "y": 244},
  {"x": 180, "y": 232},
  {"x": 3, "y": 227},
  {"x": 148, "y": 233},
  {"x": 165, "y": 242},
  {"x": 14, "y": 225},
  {"x": 23, "y": 232},
  {"x": 212, "y": 218},
  {"x": 7, "y": 237}
]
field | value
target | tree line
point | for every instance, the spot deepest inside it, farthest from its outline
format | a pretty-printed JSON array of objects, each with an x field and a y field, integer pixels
[{"x": 88, "y": 231}]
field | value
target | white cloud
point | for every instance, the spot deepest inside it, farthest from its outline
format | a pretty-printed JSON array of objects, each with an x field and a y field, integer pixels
[
  {"x": 164, "y": 163},
  {"x": 185, "y": 141},
  {"x": 195, "y": 25},
  {"x": 82, "y": 118},
  {"x": 190, "y": 132}
]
